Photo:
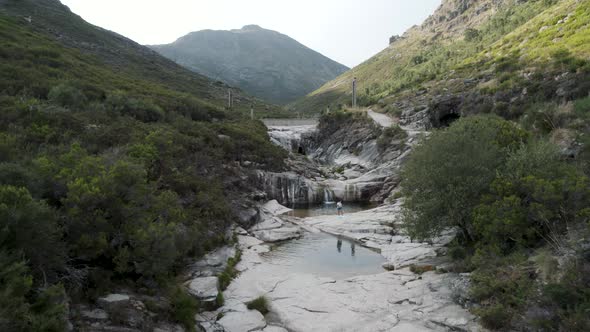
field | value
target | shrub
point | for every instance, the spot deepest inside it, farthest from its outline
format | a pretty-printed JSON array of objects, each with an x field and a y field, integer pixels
[
  {"x": 421, "y": 269},
  {"x": 140, "y": 109},
  {"x": 393, "y": 136},
  {"x": 472, "y": 35},
  {"x": 260, "y": 304},
  {"x": 219, "y": 300},
  {"x": 30, "y": 228},
  {"x": 184, "y": 307},
  {"x": 447, "y": 174},
  {"x": 502, "y": 285},
  {"x": 23, "y": 308},
  {"x": 230, "y": 272},
  {"x": 582, "y": 107},
  {"x": 534, "y": 197},
  {"x": 68, "y": 96}
]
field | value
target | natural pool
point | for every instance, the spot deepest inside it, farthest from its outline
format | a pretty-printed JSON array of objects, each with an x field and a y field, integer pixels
[
  {"x": 323, "y": 254},
  {"x": 328, "y": 209}
]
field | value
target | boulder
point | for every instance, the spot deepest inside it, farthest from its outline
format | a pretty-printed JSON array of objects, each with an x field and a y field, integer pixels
[
  {"x": 114, "y": 301},
  {"x": 204, "y": 288},
  {"x": 96, "y": 314},
  {"x": 278, "y": 234},
  {"x": 243, "y": 321}
]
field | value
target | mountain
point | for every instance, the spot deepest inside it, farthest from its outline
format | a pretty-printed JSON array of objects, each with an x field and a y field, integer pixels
[
  {"x": 474, "y": 56},
  {"x": 264, "y": 63}
]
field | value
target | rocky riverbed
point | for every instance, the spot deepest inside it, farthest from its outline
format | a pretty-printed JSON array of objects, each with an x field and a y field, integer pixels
[
  {"x": 395, "y": 300},
  {"x": 316, "y": 290}
]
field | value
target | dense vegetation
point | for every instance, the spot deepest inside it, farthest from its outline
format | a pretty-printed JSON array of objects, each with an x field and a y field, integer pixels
[
  {"x": 521, "y": 208},
  {"x": 106, "y": 178}
]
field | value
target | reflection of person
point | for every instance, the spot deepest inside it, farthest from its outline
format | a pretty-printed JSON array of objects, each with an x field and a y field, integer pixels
[
  {"x": 352, "y": 249},
  {"x": 339, "y": 208},
  {"x": 339, "y": 245}
]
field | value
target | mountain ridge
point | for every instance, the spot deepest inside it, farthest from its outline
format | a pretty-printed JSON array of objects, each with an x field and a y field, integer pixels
[{"x": 266, "y": 63}]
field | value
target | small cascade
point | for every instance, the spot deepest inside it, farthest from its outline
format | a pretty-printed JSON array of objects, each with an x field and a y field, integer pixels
[
  {"x": 328, "y": 196},
  {"x": 290, "y": 189},
  {"x": 352, "y": 193}
]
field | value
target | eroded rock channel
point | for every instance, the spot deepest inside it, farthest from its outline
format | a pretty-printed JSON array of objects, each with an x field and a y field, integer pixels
[{"x": 322, "y": 272}]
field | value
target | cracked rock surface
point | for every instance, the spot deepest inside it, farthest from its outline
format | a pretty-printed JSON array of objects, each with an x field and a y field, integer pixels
[{"x": 397, "y": 300}]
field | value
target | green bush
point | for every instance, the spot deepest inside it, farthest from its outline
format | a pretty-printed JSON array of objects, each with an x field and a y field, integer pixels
[
  {"x": 582, "y": 107},
  {"x": 140, "y": 109},
  {"x": 230, "y": 272},
  {"x": 260, "y": 304},
  {"x": 30, "y": 228},
  {"x": 184, "y": 308},
  {"x": 391, "y": 137},
  {"x": 22, "y": 306},
  {"x": 533, "y": 197},
  {"x": 219, "y": 300},
  {"x": 447, "y": 174},
  {"x": 68, "y": 96}
]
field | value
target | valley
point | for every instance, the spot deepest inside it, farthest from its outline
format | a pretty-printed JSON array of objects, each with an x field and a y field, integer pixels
[{"x": 230, "y": 181}]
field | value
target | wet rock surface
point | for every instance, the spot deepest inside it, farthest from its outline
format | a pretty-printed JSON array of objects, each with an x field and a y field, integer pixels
[{"x": 397, "y": 300}]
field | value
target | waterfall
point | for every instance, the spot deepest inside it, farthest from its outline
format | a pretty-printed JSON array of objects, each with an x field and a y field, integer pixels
[
  {"x": 351, "y": 193},
  {"x": 328, "y": 196},
  {"x": 291, "y": 189}
]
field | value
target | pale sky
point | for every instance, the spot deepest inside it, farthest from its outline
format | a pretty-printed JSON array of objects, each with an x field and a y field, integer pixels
[{"x": 348, "y": 31}]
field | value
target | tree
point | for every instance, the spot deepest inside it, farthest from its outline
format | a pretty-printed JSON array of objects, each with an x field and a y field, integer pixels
[{"x": 446, "y": 176}]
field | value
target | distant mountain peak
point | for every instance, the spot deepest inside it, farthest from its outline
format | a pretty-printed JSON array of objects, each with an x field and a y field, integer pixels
[
  {"x": 262, "y": 62},
  {"x": 251, "y": 27}
]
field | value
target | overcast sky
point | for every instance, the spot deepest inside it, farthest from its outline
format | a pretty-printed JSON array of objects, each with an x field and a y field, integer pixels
[{"x": 348, "y": 31}]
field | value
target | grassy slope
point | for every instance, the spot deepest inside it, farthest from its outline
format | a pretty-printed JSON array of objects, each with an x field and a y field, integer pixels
[
  {"x": 431, "y": 55},
  {"x": 102, "y": 57}
]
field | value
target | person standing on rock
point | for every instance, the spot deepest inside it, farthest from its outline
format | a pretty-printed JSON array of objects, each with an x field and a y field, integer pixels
[{"x": 339, "y": 208}]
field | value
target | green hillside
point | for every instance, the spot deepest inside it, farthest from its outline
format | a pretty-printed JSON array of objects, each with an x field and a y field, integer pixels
[
  {"x": 111, "y": 166},
  {"x": 283, "y": 71},
  {"x": 484, "y": 48},
  {"x": 136, "y": 68}
]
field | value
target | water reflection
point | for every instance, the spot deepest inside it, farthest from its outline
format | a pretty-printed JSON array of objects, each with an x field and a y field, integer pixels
[
  {"x": 315, "y": 254},
  {"x": 328, "y": 209}
]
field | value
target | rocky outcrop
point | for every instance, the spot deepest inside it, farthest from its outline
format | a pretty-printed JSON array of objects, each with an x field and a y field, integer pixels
[
  {"x": 342, "y": 162},
  {"x": 204, "y": 288}
]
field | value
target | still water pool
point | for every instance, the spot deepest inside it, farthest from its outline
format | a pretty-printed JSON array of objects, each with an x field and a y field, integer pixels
[
  {"x": 323, "y": 254},
  {"x": 329, "y": 209}
]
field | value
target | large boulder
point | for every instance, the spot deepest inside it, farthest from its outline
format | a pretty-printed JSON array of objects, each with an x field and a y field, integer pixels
[
  {"x": 279, "y": 234},
  {"x": 204, "y": 288},
  {"x": 242, "y": 321}
]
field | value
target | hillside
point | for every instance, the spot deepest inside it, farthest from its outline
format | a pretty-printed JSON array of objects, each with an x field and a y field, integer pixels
[
  {"x": 136, "y": 65},
  {"x": 264, "y": 63},
  {"x": 476, "y": 50},
  {"x": 503, "y": 90},
  {"x": 116, "y": 166}
]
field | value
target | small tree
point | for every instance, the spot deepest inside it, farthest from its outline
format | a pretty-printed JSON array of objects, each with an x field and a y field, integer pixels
[{"x": 446, "y": 175}]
